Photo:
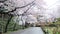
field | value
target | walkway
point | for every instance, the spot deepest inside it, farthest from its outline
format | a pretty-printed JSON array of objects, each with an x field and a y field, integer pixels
[{"x": 31, "y": 30}]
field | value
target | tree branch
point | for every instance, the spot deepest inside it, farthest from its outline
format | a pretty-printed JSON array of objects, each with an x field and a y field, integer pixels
[
  {"x": 1, "y": 1},
  {"x": 21, "y": 7},
  {"x": 17, "y": 8}
]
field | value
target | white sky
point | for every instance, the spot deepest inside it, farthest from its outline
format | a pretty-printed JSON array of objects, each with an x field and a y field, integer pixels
[
  {"x": 52, "y": 7},
  {"x": 50, "y": 3}
]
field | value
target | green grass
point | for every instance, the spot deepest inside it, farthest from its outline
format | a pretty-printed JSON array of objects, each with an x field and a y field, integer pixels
[
  {"x": 8, "y": 32},
  {"x": 52, "y": 30}
]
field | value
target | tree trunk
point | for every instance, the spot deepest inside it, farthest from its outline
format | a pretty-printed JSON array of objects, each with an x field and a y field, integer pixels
[
  {"x": 14, "y": 26},
  {"x": 7, "y": 24}
]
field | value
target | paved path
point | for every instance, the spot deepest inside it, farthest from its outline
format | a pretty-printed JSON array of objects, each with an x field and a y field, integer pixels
[{"x": 31, "y": 30}]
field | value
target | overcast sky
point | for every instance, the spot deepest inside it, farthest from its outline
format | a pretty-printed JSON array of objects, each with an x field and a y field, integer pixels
[{"x": 52, "y": 7}]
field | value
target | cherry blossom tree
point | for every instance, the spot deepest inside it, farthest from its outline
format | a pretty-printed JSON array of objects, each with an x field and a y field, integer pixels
[{"x": 21, "y": 8}]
